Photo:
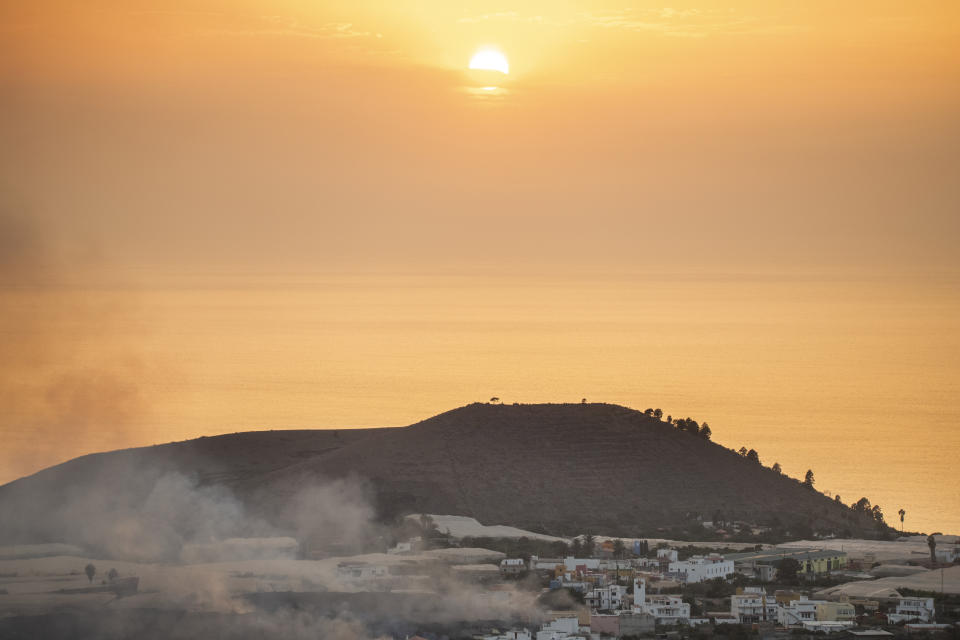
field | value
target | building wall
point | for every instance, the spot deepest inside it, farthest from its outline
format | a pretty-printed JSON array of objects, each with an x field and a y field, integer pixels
[
  {"x": 635, "y": 624},
  {"x": 608, "y": 624}
]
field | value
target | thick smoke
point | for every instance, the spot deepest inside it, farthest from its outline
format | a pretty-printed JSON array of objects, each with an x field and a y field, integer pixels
[{"x": 200, "y": 550}]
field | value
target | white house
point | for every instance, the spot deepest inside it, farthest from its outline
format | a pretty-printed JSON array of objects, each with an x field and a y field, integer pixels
[
  {"x": 513, "y": 634},
  {"x": 947, "y": 553},
  {"x": 701, "y": 568},
  {"x": 827, "y": 626},
  {"x": 753, "y": 605},
  {"x": 560, "y": 629},
  {"x": 798, "y": 612},
  {"x": 511, "y": 566},
  {"x": 666, "y": 609},
  {"x": 667, "y": 555},
  {"x": 610, "y": 598},
  {"x": 913, "y": 610},
  {"x": 360, "y": 571}
]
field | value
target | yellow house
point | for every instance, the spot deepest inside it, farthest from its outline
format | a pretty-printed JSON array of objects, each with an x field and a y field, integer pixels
[
  {"x": 819, "y": 562},
  {"x": 835, "y": 612}
]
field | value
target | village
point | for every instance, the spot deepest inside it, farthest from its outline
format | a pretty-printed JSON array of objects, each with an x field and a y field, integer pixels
[
  {"x": 631, "y": 590},
  {"x": 498, "y": 583}
]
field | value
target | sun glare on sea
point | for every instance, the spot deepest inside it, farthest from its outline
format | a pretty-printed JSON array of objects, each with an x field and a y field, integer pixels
[{"x": 488, "y": 59}]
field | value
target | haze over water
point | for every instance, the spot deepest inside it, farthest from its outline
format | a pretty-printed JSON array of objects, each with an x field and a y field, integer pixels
[
  {"x": 854, "y": 378},
  {"x": 742, "y": 211}
]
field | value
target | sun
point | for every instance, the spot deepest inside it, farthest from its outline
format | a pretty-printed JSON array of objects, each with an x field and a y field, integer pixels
[{"x": 489, "y": 59}]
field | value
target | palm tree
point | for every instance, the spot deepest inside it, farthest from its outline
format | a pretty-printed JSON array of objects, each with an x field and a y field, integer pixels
[{"x": 902, "y": 513}]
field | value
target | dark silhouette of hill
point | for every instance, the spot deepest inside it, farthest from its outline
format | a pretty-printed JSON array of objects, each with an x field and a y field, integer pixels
[{"x": 556, "y": 468}]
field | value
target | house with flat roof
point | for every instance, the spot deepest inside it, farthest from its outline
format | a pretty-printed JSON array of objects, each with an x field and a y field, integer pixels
[{"x": 813, "y": 562}]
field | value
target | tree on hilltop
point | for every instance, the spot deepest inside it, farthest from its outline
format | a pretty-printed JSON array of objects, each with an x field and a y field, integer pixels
[
  {"x": 648, "y": 413},
  {"x": 658, "y": 414},
  {"x": 776, "y": 467},
  {"x": 753, "y": 456},
  {"x": 743, "y": 451},
  {"x": 902, "y": 514},
  {"x": 808, "y": 479},
  {"x": 705, "y": 431},
  {"x": 877, "y": 514}
]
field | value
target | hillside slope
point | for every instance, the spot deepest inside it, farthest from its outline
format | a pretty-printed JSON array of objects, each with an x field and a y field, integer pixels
[{"x": 560, "y": 469}]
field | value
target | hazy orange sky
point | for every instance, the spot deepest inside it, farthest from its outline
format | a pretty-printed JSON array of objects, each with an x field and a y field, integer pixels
[
  {"x": 332, "y": 135},
  {"x": 186, "y": 185}
]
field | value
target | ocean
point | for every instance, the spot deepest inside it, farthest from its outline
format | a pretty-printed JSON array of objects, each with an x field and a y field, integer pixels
[{"x": 855, "y": 378}]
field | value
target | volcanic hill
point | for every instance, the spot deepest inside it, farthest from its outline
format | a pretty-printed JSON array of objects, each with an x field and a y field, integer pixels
[{"x": 554, "y": 468}]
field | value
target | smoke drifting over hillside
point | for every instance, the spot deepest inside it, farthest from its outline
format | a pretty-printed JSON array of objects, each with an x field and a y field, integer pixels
[
  {"x": 198, "y": 550},
  {"x": 67, "y": 385}
]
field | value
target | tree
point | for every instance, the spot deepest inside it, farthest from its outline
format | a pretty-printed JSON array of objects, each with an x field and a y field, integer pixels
[
  {"x": 902, "y": 513},
  {"x": 669, "y": 419},
  {"x": 583, "y": 401},
  {"x": 718, "y": 519},
  {"x": 808, "y": 479},
  {"x": 877, "y": 513},
  {"x": 658, "y": 414},
  {"x": 862, "y": 506},
  {"x": 932, "y": 543},
  {"x": 787, "y": 569},
  {"x": 648, "y": 413},
  {"x": 743, "y": 452},
  {"x": 91, "y": 571},
  {"x": 776, "y": 467},
  {"x": 705, "y": 431},
  {"x": 753, "y": 456},
  {"x": 494, "y": 400},
  {"x": 589, "y": 545},
  {"x": 618, "y": 548},
  {"x": 692, "y": 426},
  {"x": 428, "y": 529},
  {"x": 836, "y": 498},
  {"x": 112, "y": 575}
]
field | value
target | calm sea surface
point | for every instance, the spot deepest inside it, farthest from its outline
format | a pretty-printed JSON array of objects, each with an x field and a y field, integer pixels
[{"x": 857, "y": 379}]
